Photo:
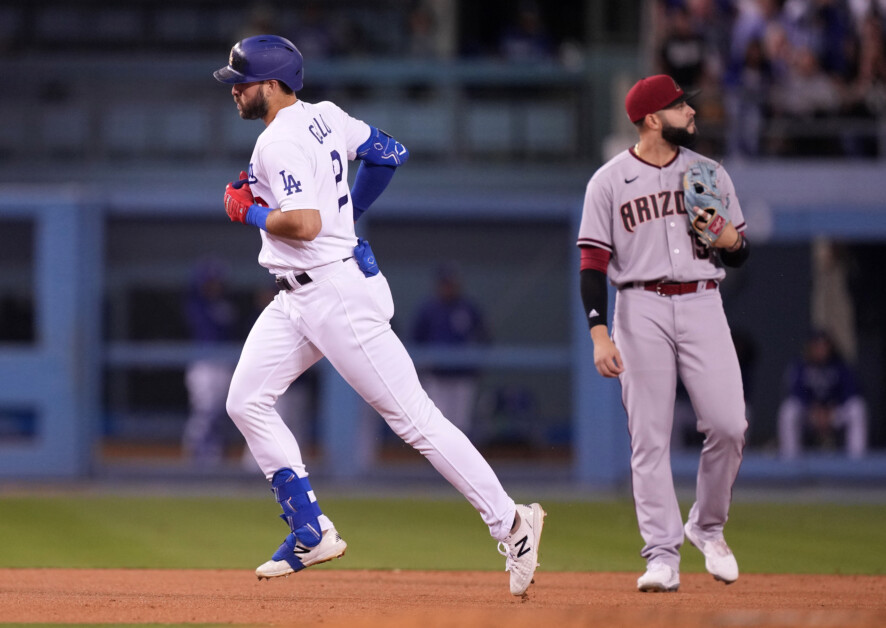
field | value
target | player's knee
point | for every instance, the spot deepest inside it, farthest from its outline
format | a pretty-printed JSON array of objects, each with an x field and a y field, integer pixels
[
  {"x": 235, "y": 404},
  {"x": 732, "y": 432},
  {"x": 241, "y": 404}
]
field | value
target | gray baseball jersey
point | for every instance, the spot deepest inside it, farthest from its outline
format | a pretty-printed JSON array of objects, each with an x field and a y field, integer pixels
[{"x": 634, "y": 210}]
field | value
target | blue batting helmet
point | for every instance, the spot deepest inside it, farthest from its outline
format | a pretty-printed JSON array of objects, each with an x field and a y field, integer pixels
[{"x": 262, "y": 58}]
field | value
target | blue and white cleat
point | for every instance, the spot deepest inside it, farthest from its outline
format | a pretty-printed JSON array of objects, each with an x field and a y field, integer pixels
[{"x": 294, "y": 556}]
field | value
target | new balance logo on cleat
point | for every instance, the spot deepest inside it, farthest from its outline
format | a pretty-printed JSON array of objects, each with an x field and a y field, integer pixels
[
  {"x": 521, "y": 544},
  {"x": 521, "y": 556}
]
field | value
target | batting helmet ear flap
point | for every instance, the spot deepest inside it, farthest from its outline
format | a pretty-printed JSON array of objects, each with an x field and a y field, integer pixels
[{"x": 262, "y": 58}]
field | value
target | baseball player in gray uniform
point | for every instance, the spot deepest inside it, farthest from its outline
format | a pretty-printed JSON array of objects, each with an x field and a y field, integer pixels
[
  {"x": 668, "y": 321},
  {"x": 334, "y": 303}
]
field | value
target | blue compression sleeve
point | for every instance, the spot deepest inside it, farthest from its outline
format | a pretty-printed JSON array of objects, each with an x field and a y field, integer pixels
[{"x": 370, "y": 182}]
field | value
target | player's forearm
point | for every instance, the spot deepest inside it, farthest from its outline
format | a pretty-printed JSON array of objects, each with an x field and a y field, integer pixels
[
  {"x": 599, "y": 333},
  {"x": 594, "y": 296},
  {"x": 298, "y": 224},
  {"x": 735, "y": 257}
]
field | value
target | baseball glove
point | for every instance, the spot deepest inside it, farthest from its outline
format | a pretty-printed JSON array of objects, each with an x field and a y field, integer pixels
[{"x": 700, "y": 191}]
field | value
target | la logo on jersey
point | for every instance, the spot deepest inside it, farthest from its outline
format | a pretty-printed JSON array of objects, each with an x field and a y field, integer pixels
[{"x": 290, "y": 185}]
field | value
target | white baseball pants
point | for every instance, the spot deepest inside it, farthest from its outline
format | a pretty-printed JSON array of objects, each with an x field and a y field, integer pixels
[{"x": 345, "y": 316}]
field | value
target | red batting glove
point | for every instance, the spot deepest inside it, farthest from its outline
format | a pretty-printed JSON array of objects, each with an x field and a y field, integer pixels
[{"x": 238, "y": 201}]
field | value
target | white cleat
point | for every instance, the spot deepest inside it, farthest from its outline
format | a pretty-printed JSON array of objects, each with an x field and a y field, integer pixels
[
  {"x": 718, "y": 558},
  {"x": 659, "y": 578},
  {"x": 520, "y": 549},
  {"x": 293, "y": 556}
]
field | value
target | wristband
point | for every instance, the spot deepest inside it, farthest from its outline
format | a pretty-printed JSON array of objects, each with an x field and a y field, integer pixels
[
  {"x": 735, "y": 246},
  {"x": 257, "y": 216},
  {"x": 739, "y": 256}
]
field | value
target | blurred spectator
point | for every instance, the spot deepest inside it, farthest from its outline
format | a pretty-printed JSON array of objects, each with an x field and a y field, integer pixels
[
  {"x": 805, "y": 100},
  {"x": 312, "y": 35},
  {"x": 823, "y": 403},
  {"x": 262, "y": 19},
  {"x": 823, "y": 26},
  {"x": 212, "y": 319},
  {"x": 714, "y": 19},
  {"x": 431, "y": 26},
  {"x": 778, "y": 52},
  {"x": 526, "y": 37},
  {"x": 747, "y": 102},
  {"x": 443, "y": 15},
  {"x": 752, "y": 21},
  {"x": 866, "y": 84},
  {"x": 422, "y": 40},
  {"x": 684, "y": 53},
  {"x": 449, "y": 319}
]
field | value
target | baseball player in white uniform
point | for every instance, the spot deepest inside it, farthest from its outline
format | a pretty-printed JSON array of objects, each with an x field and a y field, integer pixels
[
  {"x": 668, "y": 322},
  {"x": 334, "y": 303}
]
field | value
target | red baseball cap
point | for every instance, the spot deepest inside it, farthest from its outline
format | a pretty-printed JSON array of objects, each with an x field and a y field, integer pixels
[{"x": 652, "y": 94}]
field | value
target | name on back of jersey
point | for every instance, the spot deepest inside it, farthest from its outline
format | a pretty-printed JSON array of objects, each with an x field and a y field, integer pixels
[{"x": 319, "y": 129}]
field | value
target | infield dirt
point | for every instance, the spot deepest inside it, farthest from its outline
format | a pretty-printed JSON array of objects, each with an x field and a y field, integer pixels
[{"x": 430, "y": 599}]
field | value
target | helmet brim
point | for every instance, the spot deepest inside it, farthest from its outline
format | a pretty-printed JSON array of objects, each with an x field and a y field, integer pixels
[{"x": 230, "y": 76}]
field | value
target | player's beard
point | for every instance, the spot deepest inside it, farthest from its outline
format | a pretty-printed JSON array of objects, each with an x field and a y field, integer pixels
[
  {"x": 255, "y": 108},
  {"x": 678, "y": 135}
]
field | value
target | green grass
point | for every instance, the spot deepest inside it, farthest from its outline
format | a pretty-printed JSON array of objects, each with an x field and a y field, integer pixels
[{"x": 239, "y": 533}]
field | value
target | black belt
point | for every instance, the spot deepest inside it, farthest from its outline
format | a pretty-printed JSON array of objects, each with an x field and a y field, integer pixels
[
  {"x": 670, "y": 288},
  {"x": 283, "y": 283},
  {"x": 301, "y": 278}
]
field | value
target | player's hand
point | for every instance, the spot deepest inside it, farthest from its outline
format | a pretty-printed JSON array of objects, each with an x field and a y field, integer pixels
[
  {"x": 607, "y": 357},
  {"x": 702, "y": 218},
  {"x": 238, "y": 198},
  {"x": 728, "y": 238}
]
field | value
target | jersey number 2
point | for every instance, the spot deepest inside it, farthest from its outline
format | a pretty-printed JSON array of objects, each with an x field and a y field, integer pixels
[{"x": 339, "y": 175}]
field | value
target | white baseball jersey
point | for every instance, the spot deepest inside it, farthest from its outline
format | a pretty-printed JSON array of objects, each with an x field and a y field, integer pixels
[
  {"x": 300, "y": 161},
  {"x": 634, "y": 210}
]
